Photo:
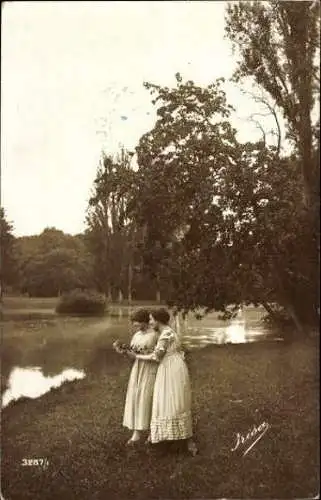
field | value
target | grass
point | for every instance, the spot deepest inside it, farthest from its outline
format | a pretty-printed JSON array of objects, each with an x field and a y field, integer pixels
[{"x": 77, "y": 427}]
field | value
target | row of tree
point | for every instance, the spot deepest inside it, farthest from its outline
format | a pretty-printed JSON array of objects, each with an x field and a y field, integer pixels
[
  {"x": 48, "y": 264},
  {"x": 205, "y": 220}
]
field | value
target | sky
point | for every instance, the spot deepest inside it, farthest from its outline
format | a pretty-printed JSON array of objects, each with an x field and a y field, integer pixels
[{"x": 72, "y": 86}]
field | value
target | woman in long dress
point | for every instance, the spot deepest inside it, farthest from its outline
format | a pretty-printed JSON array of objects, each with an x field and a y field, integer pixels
[
  {"x": 171, "y": 417},
  {"x": 139, "y": 396}
]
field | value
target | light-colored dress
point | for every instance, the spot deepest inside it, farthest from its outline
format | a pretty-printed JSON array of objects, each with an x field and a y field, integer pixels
[
  {"x": 171, "y": 412},
  {"x": 139, "y": 397}
]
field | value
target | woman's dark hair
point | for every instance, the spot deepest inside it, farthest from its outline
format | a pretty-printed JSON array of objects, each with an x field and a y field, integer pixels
[
  {"x": 161, "y": 315},
  {"x": 141, "y": 316}
]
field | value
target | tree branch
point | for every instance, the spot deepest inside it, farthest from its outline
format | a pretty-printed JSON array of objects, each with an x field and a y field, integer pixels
[{"x": 272, "y": 111}]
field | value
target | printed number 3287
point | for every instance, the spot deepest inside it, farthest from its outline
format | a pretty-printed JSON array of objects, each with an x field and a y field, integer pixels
[{"x": 43, "y": 462}]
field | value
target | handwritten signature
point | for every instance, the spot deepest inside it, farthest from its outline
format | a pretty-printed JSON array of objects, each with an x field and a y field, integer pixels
[{"x": 256, "y": 433}]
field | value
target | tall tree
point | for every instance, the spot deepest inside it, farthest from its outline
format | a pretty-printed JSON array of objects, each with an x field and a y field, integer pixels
[
  {"x": 7, "y": 260},
  {"x": 109, "y": 230},
  {"x": 223, "y": 221},
  {"x": 181, "y": 164},
  {"x": 279, "y": 48}
]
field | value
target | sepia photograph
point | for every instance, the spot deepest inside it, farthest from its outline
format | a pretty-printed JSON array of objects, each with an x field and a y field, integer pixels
[{"x": 160, "y": 250}]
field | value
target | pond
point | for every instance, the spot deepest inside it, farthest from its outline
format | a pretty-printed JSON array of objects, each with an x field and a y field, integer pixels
[
  {"x": 42, "y": 354},
  {"x": 237, "y": 332}
]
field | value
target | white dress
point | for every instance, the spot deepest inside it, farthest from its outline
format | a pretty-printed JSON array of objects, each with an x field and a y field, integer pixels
[
  {"x": 139, "y": 397},
  {"x": 171, "y": 411}
]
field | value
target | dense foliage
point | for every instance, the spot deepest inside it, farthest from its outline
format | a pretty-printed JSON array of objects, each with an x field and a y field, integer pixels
[
  {"x": 51, "y": 263},
  {"x": 112, "y": 235},
  {"x": 7, "y": 262},
  {"x": 81, "y": 302},
  {"x": 229, "y": 222}
]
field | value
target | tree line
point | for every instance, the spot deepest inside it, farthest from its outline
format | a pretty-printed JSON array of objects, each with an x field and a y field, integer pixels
[
  {"x": 206, "y": 220},
  {"x": 51, "y": 263}
]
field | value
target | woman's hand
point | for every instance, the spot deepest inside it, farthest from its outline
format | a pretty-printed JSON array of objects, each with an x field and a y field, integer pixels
[{"x": 130, "y": 354}]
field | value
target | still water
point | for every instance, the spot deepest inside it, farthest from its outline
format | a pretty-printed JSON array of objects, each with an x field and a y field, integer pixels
[
  {"x": 240, "y": 330},
  {"x": 236, "y": 333},
  {"x": 91, "y": 337}
]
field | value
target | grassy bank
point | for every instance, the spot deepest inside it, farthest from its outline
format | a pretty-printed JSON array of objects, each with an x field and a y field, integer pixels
[{"x": 78, "y": 429}]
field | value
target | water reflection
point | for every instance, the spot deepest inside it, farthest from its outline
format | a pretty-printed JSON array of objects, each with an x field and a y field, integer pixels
[
  {"x": 31, "y": 382},
  {"x": 237, "y": 332}
]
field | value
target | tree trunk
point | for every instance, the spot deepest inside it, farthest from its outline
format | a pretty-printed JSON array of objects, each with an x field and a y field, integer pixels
[
  {"x": 269, "y": 309},
  {"x": 299, "y": 327},
  {"x": 177, "y": 323},
  {"x": 288, "y": 304},
  {"x": 185, "y": 322},
  {"x": 158, "y": 297},
  {"x": 305, "y": 128},
  {"x": 130, "y": 280}
]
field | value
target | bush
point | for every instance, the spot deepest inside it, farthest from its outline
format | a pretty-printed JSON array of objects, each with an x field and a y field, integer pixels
[
  {"x": 279, "y": 319},
  {"x": 81, "y": 302}
]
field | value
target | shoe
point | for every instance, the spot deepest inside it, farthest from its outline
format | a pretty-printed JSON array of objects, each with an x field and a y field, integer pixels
[
  {"x": 192, "y": 449},
  {"x": 132, "y": 442},
  {"x": 148, "y": 441}
]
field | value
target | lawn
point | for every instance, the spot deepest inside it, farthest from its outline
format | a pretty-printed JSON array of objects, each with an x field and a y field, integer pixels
[{"x": 77, "y": 427}]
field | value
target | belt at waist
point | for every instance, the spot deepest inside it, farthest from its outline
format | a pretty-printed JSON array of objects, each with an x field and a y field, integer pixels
[{"x": 180, "y": 353}]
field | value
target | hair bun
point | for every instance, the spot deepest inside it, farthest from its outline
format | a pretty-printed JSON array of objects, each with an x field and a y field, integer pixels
[
  {"x": 161, "y": 315},
  {"x": 141, "y": 316}
]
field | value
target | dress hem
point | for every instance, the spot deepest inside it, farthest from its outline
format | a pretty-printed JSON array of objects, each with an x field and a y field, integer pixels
[{"x": 171, "y": 428}]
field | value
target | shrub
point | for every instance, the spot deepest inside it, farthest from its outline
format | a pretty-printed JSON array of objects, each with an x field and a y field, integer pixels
[
  {"x": 81, "y": 302},
  {"x": 279, "y": 319}
]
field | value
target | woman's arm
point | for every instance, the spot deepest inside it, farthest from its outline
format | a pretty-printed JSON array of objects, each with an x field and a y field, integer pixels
[
  {"x": 160, "y": 349},
  {"x": 148, "y": 357}
]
